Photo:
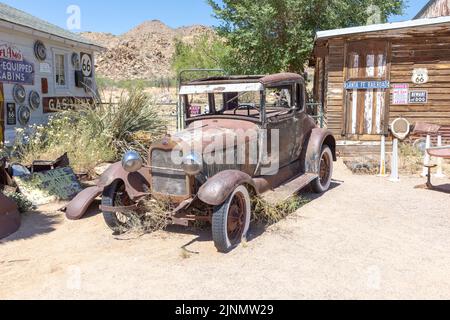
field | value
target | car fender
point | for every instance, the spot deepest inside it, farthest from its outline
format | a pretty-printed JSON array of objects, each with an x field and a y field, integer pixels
[
  {"x": 137, "y": 183},
  {"x": 313, "y": 150},
  {"x": 78, "y": 207},
  {"x": 218, "y": 188}
]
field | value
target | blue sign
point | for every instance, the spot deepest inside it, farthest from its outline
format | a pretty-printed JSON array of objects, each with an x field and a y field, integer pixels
[
  {"x": 21, "y": 72},
  {"x": 364, "y": 85}
]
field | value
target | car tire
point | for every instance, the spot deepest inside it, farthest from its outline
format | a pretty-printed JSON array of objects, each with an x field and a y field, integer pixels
[
  {"x": 323, "y": 182},
  {"x": 114, "y": 220},
  {"x": 231, "y": 221}
]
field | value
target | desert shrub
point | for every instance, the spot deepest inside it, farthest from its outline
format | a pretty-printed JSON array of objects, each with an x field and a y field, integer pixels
[
  {"x": 266, "y": 213},
  {"x": 410, "y": 158},
  {"x": 92, "y": 134}
]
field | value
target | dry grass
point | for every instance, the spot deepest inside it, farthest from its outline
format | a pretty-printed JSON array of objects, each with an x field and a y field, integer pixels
[
  {"x": 268, "y": 214},
  {"x": 410, "y": 159}
]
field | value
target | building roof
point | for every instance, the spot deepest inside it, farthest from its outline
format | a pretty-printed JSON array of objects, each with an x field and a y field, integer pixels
[
  {"x": 322, "y": 35},
  {"x": 14, "y": 16},
  {"x": 424, "y": 9},
  {"x": 263, "y": 79}
]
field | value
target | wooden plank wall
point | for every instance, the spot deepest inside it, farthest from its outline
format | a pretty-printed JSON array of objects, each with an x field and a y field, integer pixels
[
  {"x": 433, "y": 53},
  {"x": 334, "y": 73}
]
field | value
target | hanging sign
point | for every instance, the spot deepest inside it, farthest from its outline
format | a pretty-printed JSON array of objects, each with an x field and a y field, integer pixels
[
  {"x": 364, "y": 85},
  {"x": 195, "y": 110},
  {"x": 56, "y": 104},
  {"x": 419, "y": 97},
  {"x": 400, "y": 94},
  {"x": 13, "y": 67},
  {"x": 86, "y": 64},
  {"x": 11, "y": 116},
  {"x": 420, "y": 76}
]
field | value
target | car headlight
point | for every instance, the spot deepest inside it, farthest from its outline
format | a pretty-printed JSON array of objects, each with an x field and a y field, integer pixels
[
  {"x": 192, "y": 164},
  {"x": 132, "y": 161}
]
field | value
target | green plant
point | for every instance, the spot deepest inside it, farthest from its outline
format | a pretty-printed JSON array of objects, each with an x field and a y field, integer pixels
[
  {"x": 266, "y": 213},
  {"x": 22, "y": 202},
  {"x": 92, "y": 134},
  {"x": 268, "y": 36}
]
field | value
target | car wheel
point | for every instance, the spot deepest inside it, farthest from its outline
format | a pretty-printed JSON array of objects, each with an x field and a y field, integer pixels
[
  {"x": 323, "y": 182},
  {"x": 116, "y": 195},
  {"x": 231, "y": 221}
]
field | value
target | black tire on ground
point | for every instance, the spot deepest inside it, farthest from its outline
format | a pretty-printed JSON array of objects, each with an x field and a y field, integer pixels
[
  {"x": 231, "y": 221},
  {"x": 117, "y": 222},
  {"x": 323, "y": 182}
]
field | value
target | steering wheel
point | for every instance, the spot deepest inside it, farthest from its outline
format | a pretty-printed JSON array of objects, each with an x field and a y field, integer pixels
[{"x": 248, "y": 106}]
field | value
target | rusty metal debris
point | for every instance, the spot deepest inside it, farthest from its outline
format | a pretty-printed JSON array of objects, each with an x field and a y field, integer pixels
[{"x": 9, "y": 217}]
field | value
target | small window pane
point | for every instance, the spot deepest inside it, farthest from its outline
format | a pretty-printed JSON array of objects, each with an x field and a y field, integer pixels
[{"x": 60, "y": 75}]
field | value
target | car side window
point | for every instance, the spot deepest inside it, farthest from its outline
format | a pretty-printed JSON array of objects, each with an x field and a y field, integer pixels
[
  {"x": 279, "y": 97},
  {"x": 300, "y": 97}
]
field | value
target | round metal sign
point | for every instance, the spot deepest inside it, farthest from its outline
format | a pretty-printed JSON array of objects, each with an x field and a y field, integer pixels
[
  {"x": 86, "y": 65},
  {"x": 24, "y": 115},
  {"x": 400, "y": 128},
  {"x": 40, "y": 50},
  {"x": 19, "y": 93},
  {"x": 35, "y": 100}
]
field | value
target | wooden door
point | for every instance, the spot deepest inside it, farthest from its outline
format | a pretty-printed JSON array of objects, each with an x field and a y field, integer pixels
[
  {"x": 2, "y": 115},
  {"x": 366, "y": 108}
]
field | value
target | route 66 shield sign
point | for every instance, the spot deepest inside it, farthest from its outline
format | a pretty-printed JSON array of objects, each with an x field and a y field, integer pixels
[{"x": 420, "y": 76}]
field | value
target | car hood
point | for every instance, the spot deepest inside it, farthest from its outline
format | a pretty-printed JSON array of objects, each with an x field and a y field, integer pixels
[{"x": 217, "y": 134}]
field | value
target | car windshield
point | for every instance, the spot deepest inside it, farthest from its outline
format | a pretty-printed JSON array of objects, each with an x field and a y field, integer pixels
[{"x": 245, "y": 104}]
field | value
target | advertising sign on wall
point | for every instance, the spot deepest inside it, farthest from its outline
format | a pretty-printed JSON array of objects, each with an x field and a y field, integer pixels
[
  {"x": 363, "y": 85},
  {"x": 11, "y": 116},
  {"x": 86, "y": 64},
  {"x": 418, "y": 97},
  {"x": 56, "y": 104},
  {"x": 13, "y": 66},
  {"x": 400, "y": 94}
]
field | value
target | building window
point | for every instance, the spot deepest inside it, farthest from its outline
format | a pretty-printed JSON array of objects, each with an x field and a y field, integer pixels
[{"x": 60, "y": 70}]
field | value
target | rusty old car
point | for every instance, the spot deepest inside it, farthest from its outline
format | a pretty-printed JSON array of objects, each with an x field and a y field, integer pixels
[{"x": 243, "y": 136}]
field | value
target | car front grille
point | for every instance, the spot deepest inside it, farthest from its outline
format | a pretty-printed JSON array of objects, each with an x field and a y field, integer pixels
[{"x": 167, "y": 176}]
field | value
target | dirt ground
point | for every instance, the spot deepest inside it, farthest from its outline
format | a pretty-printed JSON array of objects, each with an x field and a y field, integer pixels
[{"x": 366, "y": 238}]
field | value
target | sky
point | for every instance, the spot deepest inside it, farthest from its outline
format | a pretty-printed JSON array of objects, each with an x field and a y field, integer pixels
[{"x": 118, "y": 17}]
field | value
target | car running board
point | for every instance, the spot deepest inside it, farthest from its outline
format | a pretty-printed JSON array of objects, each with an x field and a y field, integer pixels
[{"x": 287, "y": 190}]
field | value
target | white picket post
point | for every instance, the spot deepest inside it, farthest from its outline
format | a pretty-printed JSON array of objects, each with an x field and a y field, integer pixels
[
  {"x": 440, "y": 171},
  {"x": 427, "y": 158},
  {"x": 383, "y": 157},
  {"x": 394, "y": 162}
]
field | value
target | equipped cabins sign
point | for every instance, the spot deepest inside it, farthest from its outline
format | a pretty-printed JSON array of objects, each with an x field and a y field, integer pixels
[{"x": 13, "y": 66}]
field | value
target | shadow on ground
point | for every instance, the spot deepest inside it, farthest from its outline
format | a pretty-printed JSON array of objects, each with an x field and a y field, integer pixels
[{"x": 34, "y": 224}]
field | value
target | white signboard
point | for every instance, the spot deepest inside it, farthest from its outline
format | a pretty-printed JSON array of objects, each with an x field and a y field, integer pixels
[
  {"x": 420, "y": 76},
  {"x": 86, "y": 64},
  {"x": 400, "y": 94},
  {"x": 45, "y": 67}
]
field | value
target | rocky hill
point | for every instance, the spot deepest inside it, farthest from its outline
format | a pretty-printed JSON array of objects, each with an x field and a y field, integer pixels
[{"x": 144, "y": 52}]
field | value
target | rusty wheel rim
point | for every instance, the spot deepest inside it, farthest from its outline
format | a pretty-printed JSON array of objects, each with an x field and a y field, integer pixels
[
  {"x": 122, "y": 199},
  {"x": 237, "y": 214},
  {"x": 325, "y": 170}
]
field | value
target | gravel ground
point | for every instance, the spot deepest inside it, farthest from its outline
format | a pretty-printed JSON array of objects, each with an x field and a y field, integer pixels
[{"x": 367, "y": 238}]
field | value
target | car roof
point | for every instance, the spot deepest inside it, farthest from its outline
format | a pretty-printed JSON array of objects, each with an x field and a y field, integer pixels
[{"x": 266, "y": 80}]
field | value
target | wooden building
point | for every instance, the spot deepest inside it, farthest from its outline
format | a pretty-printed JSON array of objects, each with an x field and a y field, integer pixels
[
  {"x": 43, "y": 69},
  {"x": 368, "y": 76},
  {"x": 434, "y": 9}
]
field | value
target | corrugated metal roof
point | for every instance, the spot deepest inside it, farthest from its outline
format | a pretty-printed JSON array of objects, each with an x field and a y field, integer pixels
[
  {"x": 18, "y": 17},
  {"x": 382, "y": 27}
]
